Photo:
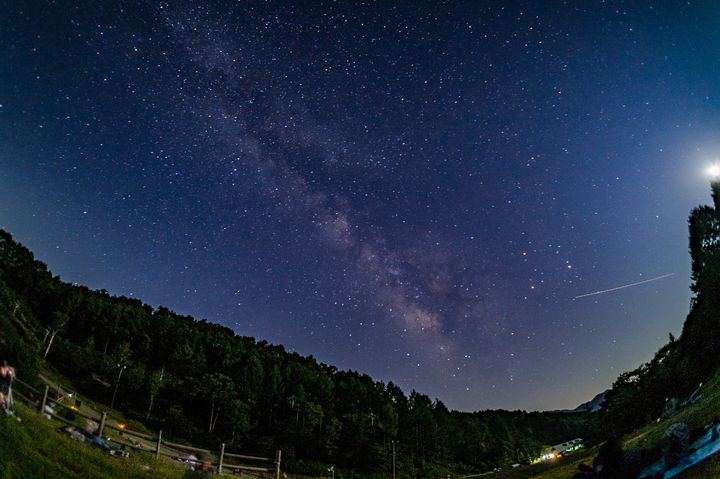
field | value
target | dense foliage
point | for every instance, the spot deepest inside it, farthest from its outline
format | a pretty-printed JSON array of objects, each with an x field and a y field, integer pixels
[
  {"x": 200, "y": 381},
  {"x": 678, "y": 368}
]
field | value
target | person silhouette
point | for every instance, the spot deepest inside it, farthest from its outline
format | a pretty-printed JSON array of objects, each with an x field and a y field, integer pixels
[{"x": 7, "y": 375}]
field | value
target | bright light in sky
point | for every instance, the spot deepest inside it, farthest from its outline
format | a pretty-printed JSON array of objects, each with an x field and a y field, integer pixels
[{"x": 714, "y": 170}]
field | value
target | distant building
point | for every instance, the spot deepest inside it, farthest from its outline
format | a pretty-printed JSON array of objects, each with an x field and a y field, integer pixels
[
  {"x": 561, "y": 449},
  {"x": 566, "y": 447}
]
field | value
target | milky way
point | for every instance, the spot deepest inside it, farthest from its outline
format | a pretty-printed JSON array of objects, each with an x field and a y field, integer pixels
[{"x": 413, "y": 192}]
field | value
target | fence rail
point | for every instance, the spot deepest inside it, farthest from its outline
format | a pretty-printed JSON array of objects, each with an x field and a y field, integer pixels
[
  {"x": 132, "y": 433},
  {"x": 26, "y": 385},
  {"x": 155, "y": 443},
  {"x": 187, "y": 448},
  {"x": 249, "y": 458}
]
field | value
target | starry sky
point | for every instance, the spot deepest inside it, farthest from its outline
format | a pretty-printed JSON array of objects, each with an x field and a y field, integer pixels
[{"x": 413, "y": 190}]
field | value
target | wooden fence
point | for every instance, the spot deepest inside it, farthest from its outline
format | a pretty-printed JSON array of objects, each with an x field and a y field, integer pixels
[{"x": 219, "y": 461}]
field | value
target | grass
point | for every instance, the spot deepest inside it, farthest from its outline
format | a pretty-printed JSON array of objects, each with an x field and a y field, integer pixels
[
  {"x": 118, "y": 415},
  {"x": 33, "y": 448},
  {"x": 697, "y": 415},
  {"x": 562, "y": 468}
]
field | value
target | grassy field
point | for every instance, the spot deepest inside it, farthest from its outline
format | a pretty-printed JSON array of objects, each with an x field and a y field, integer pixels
[{"x": 32, "y": 448}]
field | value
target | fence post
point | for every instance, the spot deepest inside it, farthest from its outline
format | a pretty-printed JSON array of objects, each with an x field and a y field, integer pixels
[
  {"x": 157, "y": 449},
  {"x": 222, "y": 455},
  {"x": 278, "y": 454},
  {"x": 44, "y": 401},
  {"x": 103, "y": 417}
]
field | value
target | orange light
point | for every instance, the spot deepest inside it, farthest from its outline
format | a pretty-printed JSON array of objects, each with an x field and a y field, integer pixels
[{"x": 121, "y": 425}]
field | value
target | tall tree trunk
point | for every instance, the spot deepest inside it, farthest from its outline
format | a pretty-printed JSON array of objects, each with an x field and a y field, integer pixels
[
  {"x": 47, "y": 350},
  {"x": 150, "y": 405},
  {"x": 217, "y": 415}
]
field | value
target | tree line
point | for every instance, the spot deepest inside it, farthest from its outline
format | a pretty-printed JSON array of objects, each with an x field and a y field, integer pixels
[
  {"x": 676, "y": 370},
  {"x": 200, "y": 381}
]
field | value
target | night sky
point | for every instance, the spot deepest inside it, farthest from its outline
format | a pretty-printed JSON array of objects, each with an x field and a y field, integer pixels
[{"x": 416, "y": 192}]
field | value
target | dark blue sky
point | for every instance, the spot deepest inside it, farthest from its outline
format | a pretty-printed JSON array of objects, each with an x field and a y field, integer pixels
[{"x": 415, "y": 192}]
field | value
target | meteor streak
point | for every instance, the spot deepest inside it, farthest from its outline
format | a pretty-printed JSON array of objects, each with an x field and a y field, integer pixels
[{"x": 595, "y": 293}]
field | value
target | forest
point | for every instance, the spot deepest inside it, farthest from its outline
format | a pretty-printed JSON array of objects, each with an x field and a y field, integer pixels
[
  {"x": 676, "y": 370},
  {"x": 200, "y": 382}
]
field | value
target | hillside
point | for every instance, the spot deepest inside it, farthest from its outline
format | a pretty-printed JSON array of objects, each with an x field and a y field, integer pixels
[
  {"x": 199, "y": 381},
  {"x": 36, "y": 449},
  {"x": 648, "y": 437},
  {"x": 640, "y": 396},
  {"x": 593, "y": 405},
  {"x": 33, "y": 448}
]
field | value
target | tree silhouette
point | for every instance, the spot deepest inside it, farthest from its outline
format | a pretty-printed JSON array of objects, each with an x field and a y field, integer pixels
[{"x": 57, "y": 324}]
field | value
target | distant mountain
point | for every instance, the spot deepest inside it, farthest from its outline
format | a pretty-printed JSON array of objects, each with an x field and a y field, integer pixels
[{"x": 593, "y": 405}]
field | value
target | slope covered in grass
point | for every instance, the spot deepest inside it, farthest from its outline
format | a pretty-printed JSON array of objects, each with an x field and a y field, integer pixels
[
  {"x": 697, "y": 415},
  {"x": 32, "y": 448},
  {"x": 562, "y": 468},
  {"x": 652, "y": 435}
]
